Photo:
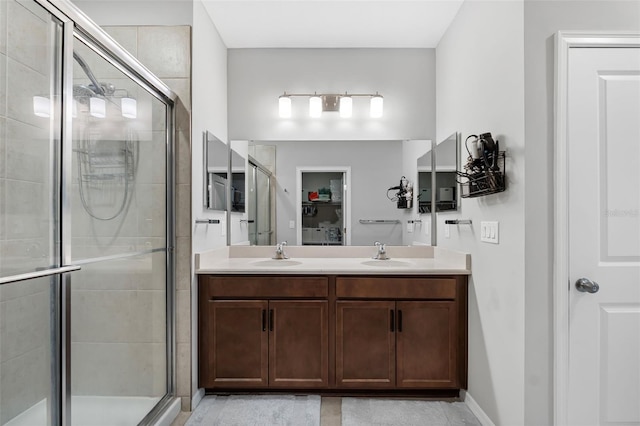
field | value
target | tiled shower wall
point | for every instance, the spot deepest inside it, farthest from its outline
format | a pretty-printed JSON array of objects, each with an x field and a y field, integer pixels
[
  {"x": 26, "y": 167},
  {"x": 166, "y": 52}
]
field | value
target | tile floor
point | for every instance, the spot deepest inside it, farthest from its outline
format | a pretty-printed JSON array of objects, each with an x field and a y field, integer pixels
[{"x": 337, "y": 411}]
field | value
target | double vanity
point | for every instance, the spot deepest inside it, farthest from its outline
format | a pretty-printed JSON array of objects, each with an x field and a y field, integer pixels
[{"x": 333, "y": 319}]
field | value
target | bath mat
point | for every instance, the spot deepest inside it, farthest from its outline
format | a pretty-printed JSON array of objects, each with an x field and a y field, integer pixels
[
  {"x": 257, "y": 410},
  {"x": 399, "y": 412}
]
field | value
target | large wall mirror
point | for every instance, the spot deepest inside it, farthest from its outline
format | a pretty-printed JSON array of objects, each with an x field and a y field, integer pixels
[
  {"x": 444, "y": 192},
  {"x": 364, "y": 210},
  {"x": 216, "y": 167}
]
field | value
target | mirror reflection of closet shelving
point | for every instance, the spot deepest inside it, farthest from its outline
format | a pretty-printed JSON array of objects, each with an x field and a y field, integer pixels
[{"x": 322, "y": 208}]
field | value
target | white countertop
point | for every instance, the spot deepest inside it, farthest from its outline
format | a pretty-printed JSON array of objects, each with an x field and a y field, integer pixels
[{"x": 331, "y": 260}]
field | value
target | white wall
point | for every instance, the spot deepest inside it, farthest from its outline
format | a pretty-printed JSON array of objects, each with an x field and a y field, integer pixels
[
  {"x": 137, "y": 13},
  {"x": 405, "y": 77},
  {"x": 542, "y": 20},
  {"x": 480, "y": 88},
  {"x": 209, "y": 101}
]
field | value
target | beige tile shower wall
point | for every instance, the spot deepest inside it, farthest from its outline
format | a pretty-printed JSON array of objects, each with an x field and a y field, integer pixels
[
  {"x": 25, "y": 207},
  {"x": 166, "y": 51}
]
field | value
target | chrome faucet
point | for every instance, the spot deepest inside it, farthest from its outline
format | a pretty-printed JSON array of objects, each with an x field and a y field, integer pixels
[
  {"x": 280, "y": 254},
  {"x": 382, "y": 252}
]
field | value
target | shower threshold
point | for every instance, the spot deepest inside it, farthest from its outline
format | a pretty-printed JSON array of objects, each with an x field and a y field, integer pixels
[{"x": 93, "y": 411}]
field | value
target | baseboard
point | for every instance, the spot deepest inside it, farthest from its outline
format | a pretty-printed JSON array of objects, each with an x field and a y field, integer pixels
[
  {"x": 475, "y": 409},
  {"x": 197, "y": 397},
  {"x": 169, "y": 414}
]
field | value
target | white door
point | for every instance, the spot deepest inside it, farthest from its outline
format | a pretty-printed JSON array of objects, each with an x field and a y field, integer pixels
[{"x": 604, "y": 235}]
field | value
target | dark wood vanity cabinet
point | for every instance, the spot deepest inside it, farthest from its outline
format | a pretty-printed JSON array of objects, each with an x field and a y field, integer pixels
[
  {"x": 406, "y": 333},
  {"x": 251, "y": 339},
  {"x": 386, "y": 344},
  {"x": 333, "y": 332}
]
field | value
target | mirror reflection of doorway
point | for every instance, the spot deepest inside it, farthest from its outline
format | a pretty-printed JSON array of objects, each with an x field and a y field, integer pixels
[{"x": 260, "y": 200}]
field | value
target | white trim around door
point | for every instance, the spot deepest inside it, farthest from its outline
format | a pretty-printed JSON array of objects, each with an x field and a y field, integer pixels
[
  {"x": 346, "y": 210},
  {"x": 566, "y": 40}
]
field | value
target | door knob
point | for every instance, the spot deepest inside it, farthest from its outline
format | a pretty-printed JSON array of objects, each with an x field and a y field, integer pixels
[{"x": 585, "y": 285}]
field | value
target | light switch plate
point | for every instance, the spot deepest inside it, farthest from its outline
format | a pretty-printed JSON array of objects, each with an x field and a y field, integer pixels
[
  {"x": 489, "y": 232},
  {"x": 292, "y": 224},
  {"x": 447, "y": 231}
]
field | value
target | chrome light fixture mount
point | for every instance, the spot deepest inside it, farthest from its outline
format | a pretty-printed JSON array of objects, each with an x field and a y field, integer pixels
[{"x": 330, "y": 102}]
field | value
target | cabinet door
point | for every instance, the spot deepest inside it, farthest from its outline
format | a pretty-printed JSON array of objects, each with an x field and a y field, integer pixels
[
  {"x": 365, "y": 344},
  {"x": 298, "y": 344},
  {"x": 234, "y": 347},
  {"x": 427, "y": 345}
]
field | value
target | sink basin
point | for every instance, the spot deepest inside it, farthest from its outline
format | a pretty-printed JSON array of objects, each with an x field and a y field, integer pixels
[
  {"x": 276, "y": 262},
  {"x": 386, "y": 263}
]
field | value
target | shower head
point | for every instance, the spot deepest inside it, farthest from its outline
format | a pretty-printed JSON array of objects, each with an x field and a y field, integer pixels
[{"x": 96, "y": 87}]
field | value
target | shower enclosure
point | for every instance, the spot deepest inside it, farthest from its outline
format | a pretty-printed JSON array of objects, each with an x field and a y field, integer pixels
[{"x": 86, "y": 235}]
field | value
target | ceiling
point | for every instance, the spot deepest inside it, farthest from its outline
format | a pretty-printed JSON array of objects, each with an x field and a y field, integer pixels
[{"x": 332, "y": 23}]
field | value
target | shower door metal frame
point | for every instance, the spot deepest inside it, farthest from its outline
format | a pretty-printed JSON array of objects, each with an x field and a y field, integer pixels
[{"x": 77, "y": 25}]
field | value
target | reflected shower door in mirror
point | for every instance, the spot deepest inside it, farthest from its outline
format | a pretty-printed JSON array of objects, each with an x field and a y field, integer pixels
[
  {"x": 238, "y": 182},
  {"x": 443, "y": 192},
  {"x": 216, "y": 166},
  {"x": 259, "y": 204}
]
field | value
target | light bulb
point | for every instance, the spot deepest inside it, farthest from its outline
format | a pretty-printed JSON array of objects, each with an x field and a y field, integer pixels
[
  {"x": 129, "y": 107},
  {"x": 97, "y": 107},
  {"x": 346, "y": 106},
  {"x": 315, "y": 106},
  {"x": 41, "y": 106},
  {"x": 376, "y": 106},
  {"x": 284, "y": 106}
]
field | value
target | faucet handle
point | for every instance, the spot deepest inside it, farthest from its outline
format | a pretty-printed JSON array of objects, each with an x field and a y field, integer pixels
[
  {"x": 377, "y": 243},
  {"x": 284, "y": 243}
]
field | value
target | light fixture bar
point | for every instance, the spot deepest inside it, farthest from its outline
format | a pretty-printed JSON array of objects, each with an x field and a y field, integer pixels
[{"x": 327, "y": 102}]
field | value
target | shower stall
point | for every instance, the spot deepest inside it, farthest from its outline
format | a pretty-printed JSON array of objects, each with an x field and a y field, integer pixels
[{"x": 86, "y": 229}]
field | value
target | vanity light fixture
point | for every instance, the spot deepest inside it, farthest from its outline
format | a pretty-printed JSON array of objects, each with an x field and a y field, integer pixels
[
  {"x": 376, "y": 106},
  {"x": 315, "y": 106},
  {"x": 327, "y": 102},
  {"x": 284, "y": 106},
  {"x": 346, "y": 106}
]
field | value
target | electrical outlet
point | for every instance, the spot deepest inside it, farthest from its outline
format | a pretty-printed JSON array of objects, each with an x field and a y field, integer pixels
[
  {"x": 292, "y": 224},
  {"x": 409, "y": 227},
  {"x": 489, "y": 232},
  {"x": 447, "y": 233}
]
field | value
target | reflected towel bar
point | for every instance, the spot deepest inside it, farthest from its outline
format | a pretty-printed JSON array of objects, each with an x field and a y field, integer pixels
[
  {"x": 379, "y": 221},
  {"x": 458, "y": 222},
  {"x": 208, "y": 221}
]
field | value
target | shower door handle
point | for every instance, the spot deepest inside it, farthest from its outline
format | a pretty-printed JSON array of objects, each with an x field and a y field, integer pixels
[{"x": 39, "y": 274}]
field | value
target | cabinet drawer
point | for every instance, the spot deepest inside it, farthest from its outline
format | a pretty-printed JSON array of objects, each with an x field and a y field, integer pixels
[
  {"x": 265, "y": 287},
  {"x": 396, "y": 288}
]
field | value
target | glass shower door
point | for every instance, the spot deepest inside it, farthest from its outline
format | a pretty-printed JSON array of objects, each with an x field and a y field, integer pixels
[
  {"x": 119, "y": 333},
  {"x": 30, "y": 134}
]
